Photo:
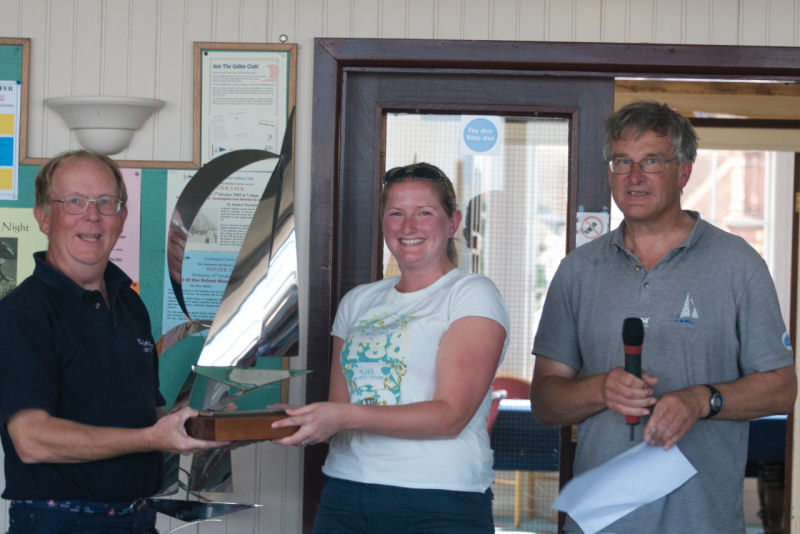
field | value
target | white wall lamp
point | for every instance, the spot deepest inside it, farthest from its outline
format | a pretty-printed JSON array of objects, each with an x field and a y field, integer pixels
[{"x": 104, "y": 124}]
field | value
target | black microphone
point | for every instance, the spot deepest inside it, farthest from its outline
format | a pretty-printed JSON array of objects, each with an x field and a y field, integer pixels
[{"x": 632, "y": 337}]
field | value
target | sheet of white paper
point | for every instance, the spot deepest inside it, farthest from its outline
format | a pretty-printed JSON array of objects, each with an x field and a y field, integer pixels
[{"x": 602, "y": 495}]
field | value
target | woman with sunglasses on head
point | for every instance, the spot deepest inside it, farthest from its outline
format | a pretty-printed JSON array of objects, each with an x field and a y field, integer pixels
[{"x": 410, "y": 389}]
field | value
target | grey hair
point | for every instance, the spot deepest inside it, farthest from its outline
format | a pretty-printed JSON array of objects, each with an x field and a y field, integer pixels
[{"x": 639, "y": 117}]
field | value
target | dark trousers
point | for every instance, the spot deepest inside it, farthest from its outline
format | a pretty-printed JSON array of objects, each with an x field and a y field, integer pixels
[
  {"x": 353, "y": 507},
  {"x": 31, "y": 519}
]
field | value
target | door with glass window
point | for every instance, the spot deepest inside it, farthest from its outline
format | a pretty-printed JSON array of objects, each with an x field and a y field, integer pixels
[{"x": 524, "y": 153}]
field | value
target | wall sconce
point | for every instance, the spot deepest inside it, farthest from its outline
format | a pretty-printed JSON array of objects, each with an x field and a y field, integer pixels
[{"x": 104, "y": 124}]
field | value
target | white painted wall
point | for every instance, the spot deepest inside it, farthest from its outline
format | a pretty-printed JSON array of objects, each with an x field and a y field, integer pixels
[{"x": 144, "y": 48}]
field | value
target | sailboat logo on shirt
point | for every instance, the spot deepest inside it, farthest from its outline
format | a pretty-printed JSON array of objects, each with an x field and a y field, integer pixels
[{"x": 688, "y": 312}]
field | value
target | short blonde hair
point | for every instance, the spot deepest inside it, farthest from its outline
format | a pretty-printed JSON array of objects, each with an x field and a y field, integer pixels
[{"x": 43, "y": 184}]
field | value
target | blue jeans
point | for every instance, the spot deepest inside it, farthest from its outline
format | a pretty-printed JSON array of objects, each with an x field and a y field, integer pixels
[
  {"x": 28, "y": 518},
  {"x": 353, "y": 507}
]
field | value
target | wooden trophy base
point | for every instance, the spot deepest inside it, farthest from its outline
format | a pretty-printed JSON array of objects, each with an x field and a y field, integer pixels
[{"x": 232, "y": 426}]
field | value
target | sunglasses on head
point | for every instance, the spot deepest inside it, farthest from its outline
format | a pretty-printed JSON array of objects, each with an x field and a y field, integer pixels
[{"x": 423, "y": 171}]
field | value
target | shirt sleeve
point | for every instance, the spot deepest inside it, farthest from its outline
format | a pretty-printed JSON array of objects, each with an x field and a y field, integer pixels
[
  {"x": 764, "y": 340},
  {"x": 556, "y": 335},
  {"x": 28, "y": 366},
  {"x": 341, "y": 322},
  {"x": 477, "y": 296}
]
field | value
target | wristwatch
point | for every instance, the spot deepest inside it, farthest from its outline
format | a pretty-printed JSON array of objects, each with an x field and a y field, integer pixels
[{"x": 715, "y": 402}]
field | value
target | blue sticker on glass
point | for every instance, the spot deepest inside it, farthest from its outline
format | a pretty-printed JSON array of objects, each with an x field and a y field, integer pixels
[{"x": 480, "y": 135}]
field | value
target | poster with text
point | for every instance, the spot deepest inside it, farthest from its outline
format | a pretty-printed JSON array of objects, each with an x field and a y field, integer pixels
[
  {"x": 125, "y": 253},
  {"x": 9, "y": 139},
  {"x": 244, "y": 102},
  {"x": 20, "y": 237},
  {"x": 213, "y": 243}
]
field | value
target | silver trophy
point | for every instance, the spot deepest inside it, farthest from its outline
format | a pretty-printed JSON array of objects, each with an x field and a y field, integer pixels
[{"x": 257, "y": 321}]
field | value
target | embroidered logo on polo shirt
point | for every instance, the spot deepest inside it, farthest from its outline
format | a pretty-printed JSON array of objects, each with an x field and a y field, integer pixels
[
  {"x": 787, "y": 343},
  {"x": 147, "y": 345},
  {"x": 688, "y": 313}
]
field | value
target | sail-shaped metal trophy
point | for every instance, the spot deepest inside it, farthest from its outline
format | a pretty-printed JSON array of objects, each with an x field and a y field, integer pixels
[{"x": 257, "y": 317}]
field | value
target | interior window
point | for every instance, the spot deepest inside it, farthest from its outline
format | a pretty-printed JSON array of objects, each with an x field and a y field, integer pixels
[{"x": 747, "y": 193}]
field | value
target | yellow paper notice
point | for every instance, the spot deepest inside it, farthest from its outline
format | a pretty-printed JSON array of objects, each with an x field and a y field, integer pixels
[
  {"x": 6, "y": 178},
  {"x": 6, "y": 124}
]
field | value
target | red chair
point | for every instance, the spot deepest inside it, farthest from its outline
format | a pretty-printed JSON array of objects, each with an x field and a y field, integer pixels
[{"x": 506, "y": 387}]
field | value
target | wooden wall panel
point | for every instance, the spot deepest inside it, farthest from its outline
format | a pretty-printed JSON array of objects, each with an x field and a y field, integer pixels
[
  {"x": 33, "y": 25},
  {"x": 782, "y": 23},
  {"x": 560, "y": 21},
  {"x": 754, "y": 22},
  {"x": 587, "y": 23},
  {"x": 339, "y": 16},
  {"x": 505, "y": 21},
  {"x": 615, "y": 22},
  {"x": 420, "y": 19},
  {"x": 115, "y": 58},
  {"x": 475, "y": 19},
  {"x": 364, "y": 18},
  {"x": 532, "y": 25},
  {"x": 227, "y": 21},
  {"x": 305, "y": 23},
  {"x": 393, "y": 19},
  {"x": 668, "y": 21},
  {"x": 449, "y": 19},
  {"x": 279, "y": 480},
  {"x": 640, "y": 18},
  {"x": 196, "y": 25},
  {"x": 245, "y": 490},
  {"x": 254, "y": 21},
  {"x": 87, "y": 45},
  {"x": 142, "y": 57},
  {"x": 195, "y": 18},
  {"x": 725, "y": 22},
  {"x": 58, "y": 71},
  {"x": 173, "y": 83},
  {"x": 697, "y": 24},
  {"x": 289, "y": 17},
  {"x": 10, "y": 21}
]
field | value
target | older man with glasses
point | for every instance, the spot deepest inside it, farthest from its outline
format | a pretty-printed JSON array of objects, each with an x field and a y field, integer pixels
[
  {"x": 715, "y": 354},
  {"x": 81, "y": 428}
]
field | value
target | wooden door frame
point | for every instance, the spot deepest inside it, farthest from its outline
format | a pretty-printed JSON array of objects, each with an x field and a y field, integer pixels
[{"x": 334, "y": 57}]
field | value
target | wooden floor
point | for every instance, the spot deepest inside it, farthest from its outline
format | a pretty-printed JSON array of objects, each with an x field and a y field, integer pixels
[{"x": 535, "y": 495}]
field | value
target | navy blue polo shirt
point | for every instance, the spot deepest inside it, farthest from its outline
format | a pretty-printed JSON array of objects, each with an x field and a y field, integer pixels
[{"x": 65, "y": 352}]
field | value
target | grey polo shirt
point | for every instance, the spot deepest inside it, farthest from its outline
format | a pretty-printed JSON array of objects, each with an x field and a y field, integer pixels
[{"x": 711, "y": 315}]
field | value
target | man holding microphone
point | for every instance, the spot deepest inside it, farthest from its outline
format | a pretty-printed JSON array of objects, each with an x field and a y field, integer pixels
[{"x": 715, "y": 353}]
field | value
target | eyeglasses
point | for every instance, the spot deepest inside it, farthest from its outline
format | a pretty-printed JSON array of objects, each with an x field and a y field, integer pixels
[
  {"x": 77, "y": 204},
  {"x": 423, "y": 171},
  {"x": 649, "y": 165}
]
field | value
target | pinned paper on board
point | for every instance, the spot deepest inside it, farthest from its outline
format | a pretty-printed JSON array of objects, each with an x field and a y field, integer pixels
[{"x": 9, "y": 139}]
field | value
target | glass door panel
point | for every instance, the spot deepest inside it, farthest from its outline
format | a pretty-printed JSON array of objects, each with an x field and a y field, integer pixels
[{"x": 511, "y": 179}]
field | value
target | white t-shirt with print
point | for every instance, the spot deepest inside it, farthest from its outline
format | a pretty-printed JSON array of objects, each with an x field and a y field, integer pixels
[{"x": 391, "y": 341}]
